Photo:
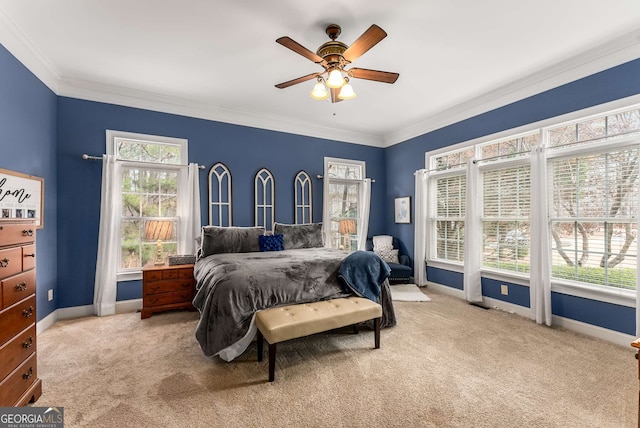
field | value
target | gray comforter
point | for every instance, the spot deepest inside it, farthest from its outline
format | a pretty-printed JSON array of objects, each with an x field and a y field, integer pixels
[{"x": 232, "y": 287}]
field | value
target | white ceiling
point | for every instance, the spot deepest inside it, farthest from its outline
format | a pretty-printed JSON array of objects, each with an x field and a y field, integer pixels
[{"x": 219, "y": 59}]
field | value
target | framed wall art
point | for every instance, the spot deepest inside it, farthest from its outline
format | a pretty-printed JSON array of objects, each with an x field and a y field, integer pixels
[
  {"x": 403, "y": 209},
  {"x": 21, "y": 196}
]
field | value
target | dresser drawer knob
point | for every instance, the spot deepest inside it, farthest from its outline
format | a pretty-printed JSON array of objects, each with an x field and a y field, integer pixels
[
  {"x": 28, "y": 343},
  {"x": 4, "y": 263},
  {"x": 27, "y": 312},
  {"x": 29, "y": 374},
  {"x": 27, "y": 232},
  {"x": 30, "y": 255},
  {"x": 22, "y": 286}
]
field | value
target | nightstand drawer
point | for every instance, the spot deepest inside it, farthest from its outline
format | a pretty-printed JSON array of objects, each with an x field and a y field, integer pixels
[
  {"x": 18, "y": 287},
  {"x": 167, "y": 286},
  {"x": 168, "y": 298}
]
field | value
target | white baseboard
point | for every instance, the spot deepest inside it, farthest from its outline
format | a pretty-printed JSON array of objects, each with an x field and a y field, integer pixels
[
  {"x": 611, "y": 336},
  {"x": 122, "y": 307}
]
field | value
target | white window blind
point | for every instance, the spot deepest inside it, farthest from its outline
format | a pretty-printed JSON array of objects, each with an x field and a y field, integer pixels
[
  {"x": 448, "y": 198},
  {"x": 506, "y": 218},
  {"x": 594, "y": 211}
]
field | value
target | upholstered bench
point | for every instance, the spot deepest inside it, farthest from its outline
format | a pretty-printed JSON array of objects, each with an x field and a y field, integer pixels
[{"x": 290, "y": 322}]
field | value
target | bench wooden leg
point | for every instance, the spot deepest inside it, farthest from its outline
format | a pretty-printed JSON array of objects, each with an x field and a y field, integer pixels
[
  {"x": 376, "y": 326},
  {"x": 260, "y": 340},
  {"x": 272, "y": 362}
]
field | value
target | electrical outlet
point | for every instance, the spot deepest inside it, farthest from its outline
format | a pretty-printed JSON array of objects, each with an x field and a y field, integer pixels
[
  {"x": 50, "y": 295},
  {"x": 504, "y": 290}
]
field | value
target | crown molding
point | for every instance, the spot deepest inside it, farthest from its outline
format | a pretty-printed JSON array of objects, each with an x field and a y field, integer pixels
[
  {"x": 112, "y": 94},
  {"x": 21, "y": 47},
  {"x": 607, "y": 55}
]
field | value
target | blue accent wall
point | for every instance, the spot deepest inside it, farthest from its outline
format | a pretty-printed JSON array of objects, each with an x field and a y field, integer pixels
[
  {"x": 405, "y": 158},
  {"x": 244, "y": 150},
  {"x": 28, "y": 145}
]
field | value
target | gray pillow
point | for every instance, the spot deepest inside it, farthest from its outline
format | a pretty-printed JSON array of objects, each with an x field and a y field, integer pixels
[
  {"x": 216, "y": 240},
  {"x": 300, "y": 235}
]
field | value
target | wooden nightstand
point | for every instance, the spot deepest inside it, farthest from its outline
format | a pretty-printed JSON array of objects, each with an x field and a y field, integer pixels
[{"x": 167, "y": 287}]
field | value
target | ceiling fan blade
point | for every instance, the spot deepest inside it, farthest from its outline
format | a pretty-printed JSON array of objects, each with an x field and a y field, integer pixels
[
  {"x": 378, "y": 76},
  {"x": 288, "y": 42},
  {"x": 334, "y": 95},
  {"x": 366, "y": 41},
  {"x": 296, "y": 81}
]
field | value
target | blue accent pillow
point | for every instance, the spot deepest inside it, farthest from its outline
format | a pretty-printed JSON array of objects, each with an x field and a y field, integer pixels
[{"x": 271, "y": 242}]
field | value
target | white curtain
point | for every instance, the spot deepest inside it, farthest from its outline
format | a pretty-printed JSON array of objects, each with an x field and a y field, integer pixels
[
  {"x": 190, "y": 223},
  {"x": 365, "y": 207},
  {"x": 104, "y": 295},
  {"x": 473, "y": 236},
  {"x": 540, "y": 278},
  {"x": 326, "y": 213},
  {"x": 421, "y": 229}
]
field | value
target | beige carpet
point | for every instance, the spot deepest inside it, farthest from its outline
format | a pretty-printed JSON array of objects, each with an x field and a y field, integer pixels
[{"x": 446, "y": 364}]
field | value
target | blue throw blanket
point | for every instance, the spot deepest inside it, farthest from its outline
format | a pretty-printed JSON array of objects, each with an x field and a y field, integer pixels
[{"x": 364, "y": 272}]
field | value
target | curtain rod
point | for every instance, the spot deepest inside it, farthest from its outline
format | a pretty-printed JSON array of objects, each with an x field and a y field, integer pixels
[
  {"x": 351, "y": 179},
  {"x": 89, "y": 157}
]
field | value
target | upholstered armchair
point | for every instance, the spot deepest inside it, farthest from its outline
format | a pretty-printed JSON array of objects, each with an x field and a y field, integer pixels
[{"x": 401, "y": 272}]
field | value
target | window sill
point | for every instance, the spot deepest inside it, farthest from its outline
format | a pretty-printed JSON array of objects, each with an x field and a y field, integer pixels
[
  {"x": 130, "y": 276},
  {"x": 446, "y": 265}
]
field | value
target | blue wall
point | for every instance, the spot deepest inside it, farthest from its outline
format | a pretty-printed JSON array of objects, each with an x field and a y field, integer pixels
[
  {"x": 244, "y": 150},
  {"x": 28, "y": 124},
  {"x": 405, "y": 158}
]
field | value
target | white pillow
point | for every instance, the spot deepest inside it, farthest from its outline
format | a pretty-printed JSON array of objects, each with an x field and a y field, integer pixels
[{"x": 383, "y": 247}]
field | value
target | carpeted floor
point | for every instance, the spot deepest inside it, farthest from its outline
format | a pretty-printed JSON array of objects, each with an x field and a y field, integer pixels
[{"x": 446, "y": 364}]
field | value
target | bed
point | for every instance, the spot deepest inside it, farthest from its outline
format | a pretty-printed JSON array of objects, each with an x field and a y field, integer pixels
[{"x": 235, "y": 279}]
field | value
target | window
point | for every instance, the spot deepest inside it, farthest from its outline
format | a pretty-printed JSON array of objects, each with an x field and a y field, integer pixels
[
  {"x": 594, "y": 217},
  {"x": 589, "y": 169},
  {"x": 447, "y": 201},
  {"x": 220, "y": 208},
  {"x": 303, "y": 198},
  {"x": 152, "y": 171},
  {"x": 264, "y": 193},
  {"x": 343, "y": 197},
  {"x": 506, "y": 196}
]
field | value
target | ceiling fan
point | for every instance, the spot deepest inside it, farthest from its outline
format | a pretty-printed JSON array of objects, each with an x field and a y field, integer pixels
[{"x": 334, "y": 56}]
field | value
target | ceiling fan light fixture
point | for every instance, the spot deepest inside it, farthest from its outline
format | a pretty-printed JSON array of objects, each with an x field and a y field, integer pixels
[
  {"x": 319, "y": 92},
  {"x": 347, "y": 92},
  {"x": 335, "y": 79}
]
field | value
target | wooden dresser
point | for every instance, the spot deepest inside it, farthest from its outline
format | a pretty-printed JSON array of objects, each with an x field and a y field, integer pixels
[
  {"x": 19, "y": 383},
  {"x": 167, "y": 287}
]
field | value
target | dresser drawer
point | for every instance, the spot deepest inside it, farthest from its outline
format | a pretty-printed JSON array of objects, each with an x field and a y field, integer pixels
[
  {"x": 167, "y": 298},
  {"x": 17, "y": 350},
  {"x": 28, "y": 257},
  {"x": 167, "y": 286},
  {"x": 16, "y": 318},
  {"x": 152, "y": 275},
  {"x": 14, "y": 385},
  {"x": 11, "y": 234},
  {"x": 10, "y": 261},
  {"x": 18, "y": 287}
]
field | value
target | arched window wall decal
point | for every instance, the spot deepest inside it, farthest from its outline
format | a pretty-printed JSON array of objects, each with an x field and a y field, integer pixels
[
  {"x": 264, "y": 192},
  {"x": 303, "y": 193},
  {"x": 220, "y": 200}
]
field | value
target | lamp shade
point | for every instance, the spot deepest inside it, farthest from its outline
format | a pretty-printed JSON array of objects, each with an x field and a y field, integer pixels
[
  {"x": 335, "y": 79},
  {"x": 346, "y": 93},
  {"x": 347, "y": 226},
  {"x": 155, "y": 230},
  {"x": 319, "y": 92}
]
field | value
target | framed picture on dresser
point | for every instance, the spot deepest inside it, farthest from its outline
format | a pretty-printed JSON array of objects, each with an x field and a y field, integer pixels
[{"x": 22, "y": 196}]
